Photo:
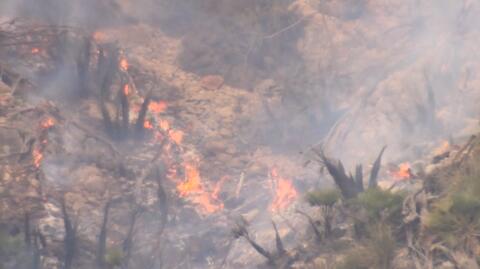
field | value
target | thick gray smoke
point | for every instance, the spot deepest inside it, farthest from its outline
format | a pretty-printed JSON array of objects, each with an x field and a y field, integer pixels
[{"x": 348, "y": 75}]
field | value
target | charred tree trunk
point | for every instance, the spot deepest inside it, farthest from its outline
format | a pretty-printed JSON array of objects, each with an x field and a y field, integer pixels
[
  {"x": 142, "y": 114},
  {"x": 359, "y": 177},
  {"x": 346, "y": 184},
  {"x": 125, "y": 109},
  {"x": 83, "y": 64},
  {"x": 128, "y": 242},
  {"x": 280, "y": 249},
  {"x": 107, "y": 69},
  {"x": 26, "y": 224},
  {"x": 102, "y": 237},
  {"x": 37, "y": 242},
  {"x": 70, "y": 239}
]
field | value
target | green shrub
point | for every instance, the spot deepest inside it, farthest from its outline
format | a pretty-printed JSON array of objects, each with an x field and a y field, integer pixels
[
  {"x": 376, "y": 252},
  {"x": 380, "y": 203},
  {"x": 357, "y": 258},
  {"x": 456, "y": 219},
  {"x": 381, "y": 244},
  {"x": 114, "y": 257},
  {"x": 323, "y": 197},
  {"x": 9, "y": 245}
]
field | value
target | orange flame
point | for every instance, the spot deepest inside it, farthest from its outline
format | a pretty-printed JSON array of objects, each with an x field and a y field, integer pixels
[
  {"x": 47, "y": 123},
  {"x": 193, "y": 188},
  {"x": 35, "y": 50},
  {"x": 176, "y": 136},
  {"x": 123, "y": 64},
  {"x": 126, "y": 89},
  {"x": 99, "y": 36},
  {"x": 442, "y": 148},
  {"x": 164, "y": 125},
  {"x": 147, "y": 125},
  {"x": 37, "y": 157},
  {"x": 158, "y": 107},
  {"x": 404, "y": 172},
  {"x": 284, "y": 192}
]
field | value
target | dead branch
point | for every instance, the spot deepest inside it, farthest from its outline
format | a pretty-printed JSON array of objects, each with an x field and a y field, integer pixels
[
  {"x": 143, "y": 113},
  {"x": 240, "y": 230},
  {"x": 278, "y": 241},
  {"x": 345, "y": 183},
  {"x": 312, "y": 223},
  {"x": 359, "y": 177},
  {"x": 372, "y": 183},
  {"x": 125, "y": 108}
]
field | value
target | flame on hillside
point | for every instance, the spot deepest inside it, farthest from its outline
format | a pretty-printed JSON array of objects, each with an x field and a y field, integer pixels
[
  {"x": 193, "y": 188},
  {"x": 47, "y": 123},
  {"x": 158, "y": 107},
  {"x": 403, "y": 172},
  {"x": 126, "y": 90},
  {"x": 284, "y": 191}
]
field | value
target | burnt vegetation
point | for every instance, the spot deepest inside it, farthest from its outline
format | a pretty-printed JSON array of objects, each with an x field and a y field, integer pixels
[{"x": 102, "y": 155}]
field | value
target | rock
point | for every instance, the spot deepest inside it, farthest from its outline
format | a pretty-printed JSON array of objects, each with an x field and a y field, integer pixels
[
  {"x": 212, "y": 82},
  {"x": 91, "y": 179}
]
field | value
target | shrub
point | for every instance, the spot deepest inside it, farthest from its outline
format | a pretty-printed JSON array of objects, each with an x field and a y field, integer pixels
[
  {"x": 356, "y": 258},
  {"x": 456, "y": 220},
  {"x": 380, "y": 204},
  {"x": 323, "y": 197},
  {"x": 377, "y": 251},
  {"x": 9, "y": 245},
  {"x": 114, "y": 257}
]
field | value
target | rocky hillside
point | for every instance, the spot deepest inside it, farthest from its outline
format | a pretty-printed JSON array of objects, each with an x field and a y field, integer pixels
[{"x": 205, "y": 134}]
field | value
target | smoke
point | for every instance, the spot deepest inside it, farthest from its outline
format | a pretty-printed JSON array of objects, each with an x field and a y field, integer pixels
[{"x": 350, "y": 75}]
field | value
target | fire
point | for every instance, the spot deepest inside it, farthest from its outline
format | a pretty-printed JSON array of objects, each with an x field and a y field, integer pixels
[
  {"x": 99, "y": 36},
  {"x": 442, "y": 148},
  {"x": 126, "y": 89},
  {"x": 47, "y": 123},
  {"x": 284, "y": 192},
  {"x": 164, "y": 125},
  {"x": 35, "y": 50},
  {"x": 157, "y": 107},
  {"x": 193, "y": 188},
  {"x": 123, "y": 64},
  {"x": 147, "y": 125},
  {"x": 37, "y": 157},
  {"x": 404, "y": 172},
  {"x": 176, "y": 136}
]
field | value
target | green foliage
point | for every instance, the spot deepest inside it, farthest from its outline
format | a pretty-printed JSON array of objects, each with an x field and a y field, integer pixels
[
  {"x": 378, "y": 203},
  {"x": 9, "y": 245},
  {"x": 381, "y": 244},
  {"x": 114, "y": 257},
  {"x": 323, "y": 197},
  {"x": 357, "y": 258},
  {"x": 456, "y": 219},
  {"x": 377, "y": 251}
]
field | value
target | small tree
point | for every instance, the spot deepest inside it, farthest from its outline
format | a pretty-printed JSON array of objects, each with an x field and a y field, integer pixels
[{"x": 325, "y": 199}]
